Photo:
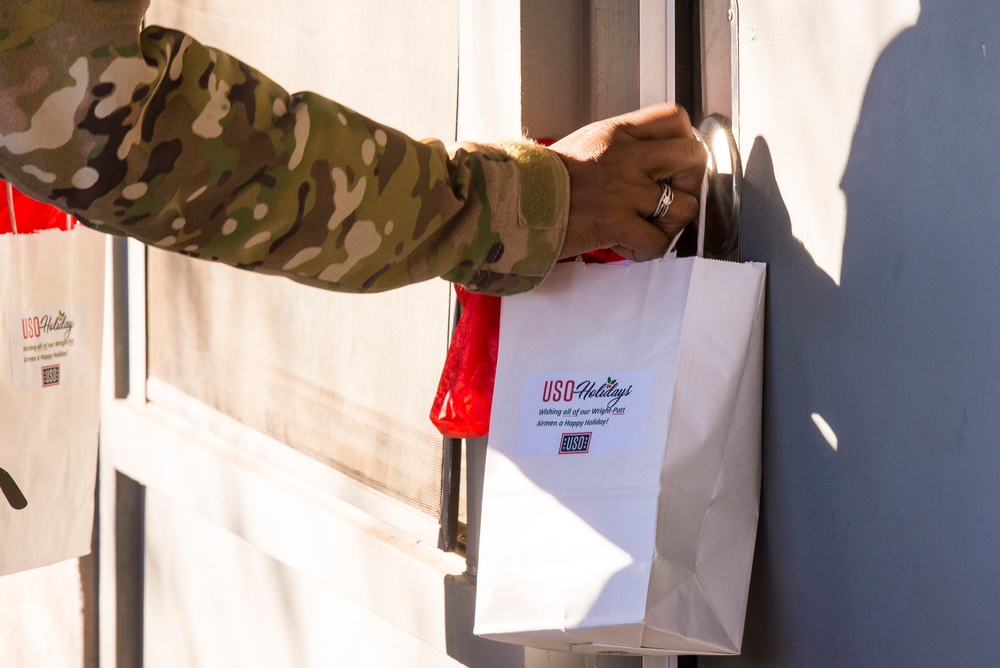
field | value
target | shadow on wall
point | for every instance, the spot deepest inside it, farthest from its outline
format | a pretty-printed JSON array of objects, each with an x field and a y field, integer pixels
[{"x": 879, "y": 537}]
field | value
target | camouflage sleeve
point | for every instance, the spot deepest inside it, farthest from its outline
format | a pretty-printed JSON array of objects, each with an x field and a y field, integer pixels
[{"x": 157, "y": 137}]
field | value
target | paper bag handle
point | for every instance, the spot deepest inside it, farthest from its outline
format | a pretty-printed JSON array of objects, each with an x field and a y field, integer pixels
[
  {"x": 702, "y": 205},
  {"x": 67, "y": 219},
  {"x": 10, "y": 207}
]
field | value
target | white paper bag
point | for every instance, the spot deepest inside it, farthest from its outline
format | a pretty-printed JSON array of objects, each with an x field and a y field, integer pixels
[
  {"x": 51, "y": 313},
  {"x": 622, "y": 480}
]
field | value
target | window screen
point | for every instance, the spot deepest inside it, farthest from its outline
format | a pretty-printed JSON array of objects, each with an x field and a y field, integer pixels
[{"x": 346, "y": 379}]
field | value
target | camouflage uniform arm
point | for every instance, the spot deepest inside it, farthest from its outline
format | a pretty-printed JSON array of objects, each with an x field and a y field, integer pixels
[{"x": 182, "y": 146}]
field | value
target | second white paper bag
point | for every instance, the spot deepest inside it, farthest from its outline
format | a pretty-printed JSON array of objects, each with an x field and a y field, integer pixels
[{"x": 51, "y": 317}]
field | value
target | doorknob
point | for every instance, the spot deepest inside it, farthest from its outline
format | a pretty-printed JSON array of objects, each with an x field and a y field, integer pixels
[{"x": 725, "y": 185}]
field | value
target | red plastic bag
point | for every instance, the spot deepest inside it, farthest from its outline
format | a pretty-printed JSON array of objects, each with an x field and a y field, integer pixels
[
  {"x": 464, "y": 398},
  {"x": 30, "y": 215}
]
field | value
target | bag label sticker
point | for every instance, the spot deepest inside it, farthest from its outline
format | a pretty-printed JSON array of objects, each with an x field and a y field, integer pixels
[
  {"x": 48, "y": 347},
  {"x": 573, "y": 413}
]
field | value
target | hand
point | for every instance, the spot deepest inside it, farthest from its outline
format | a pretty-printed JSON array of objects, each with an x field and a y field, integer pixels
[{"x": 616, "y": 169}]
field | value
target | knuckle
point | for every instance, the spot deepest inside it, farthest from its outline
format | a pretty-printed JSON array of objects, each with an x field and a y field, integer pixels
[
  {"x": 688, "y": 208},
  {"x": 682, "y": 115}
]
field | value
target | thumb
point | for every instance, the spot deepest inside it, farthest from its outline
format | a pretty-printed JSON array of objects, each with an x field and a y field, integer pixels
[{"x": 640, "y": 240}]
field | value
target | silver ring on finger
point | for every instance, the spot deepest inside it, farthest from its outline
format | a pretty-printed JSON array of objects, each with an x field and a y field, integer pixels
[{"x": 666, "y": 199}]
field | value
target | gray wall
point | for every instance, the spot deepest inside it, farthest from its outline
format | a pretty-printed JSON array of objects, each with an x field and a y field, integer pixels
[{"x": 884, "y": 550}]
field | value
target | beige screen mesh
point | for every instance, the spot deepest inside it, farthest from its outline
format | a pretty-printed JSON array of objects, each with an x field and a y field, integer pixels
[{"x": 346, "y": 379}]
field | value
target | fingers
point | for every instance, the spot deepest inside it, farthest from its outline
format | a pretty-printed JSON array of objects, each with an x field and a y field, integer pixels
[
  {"x": 666, "y": 149},
  {"x": 617, "y": 168},
  {"x": 681, "y": 211},
  {"x": 681, "y": 161},
  {"x": 639, "y": 240},
  {"x": 660, "y": 121}
]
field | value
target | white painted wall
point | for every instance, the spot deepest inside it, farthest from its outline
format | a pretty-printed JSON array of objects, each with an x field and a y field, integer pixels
[
  {"x": 870, "y": 132},
  {"x": 803, "y": 74}
]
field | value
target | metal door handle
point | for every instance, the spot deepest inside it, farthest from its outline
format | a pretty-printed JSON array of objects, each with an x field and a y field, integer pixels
[{"x": 725, "y": 185}]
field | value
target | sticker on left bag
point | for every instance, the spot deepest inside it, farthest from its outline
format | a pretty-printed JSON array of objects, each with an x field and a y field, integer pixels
[
  {"x": 48, "y": 346},
  {"x": 572, "y": 413}
]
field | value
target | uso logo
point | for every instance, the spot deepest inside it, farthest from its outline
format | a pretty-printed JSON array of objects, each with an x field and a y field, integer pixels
[
  {"x": 574, "y": 444},
  {"x": 50, "y": 375}
]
